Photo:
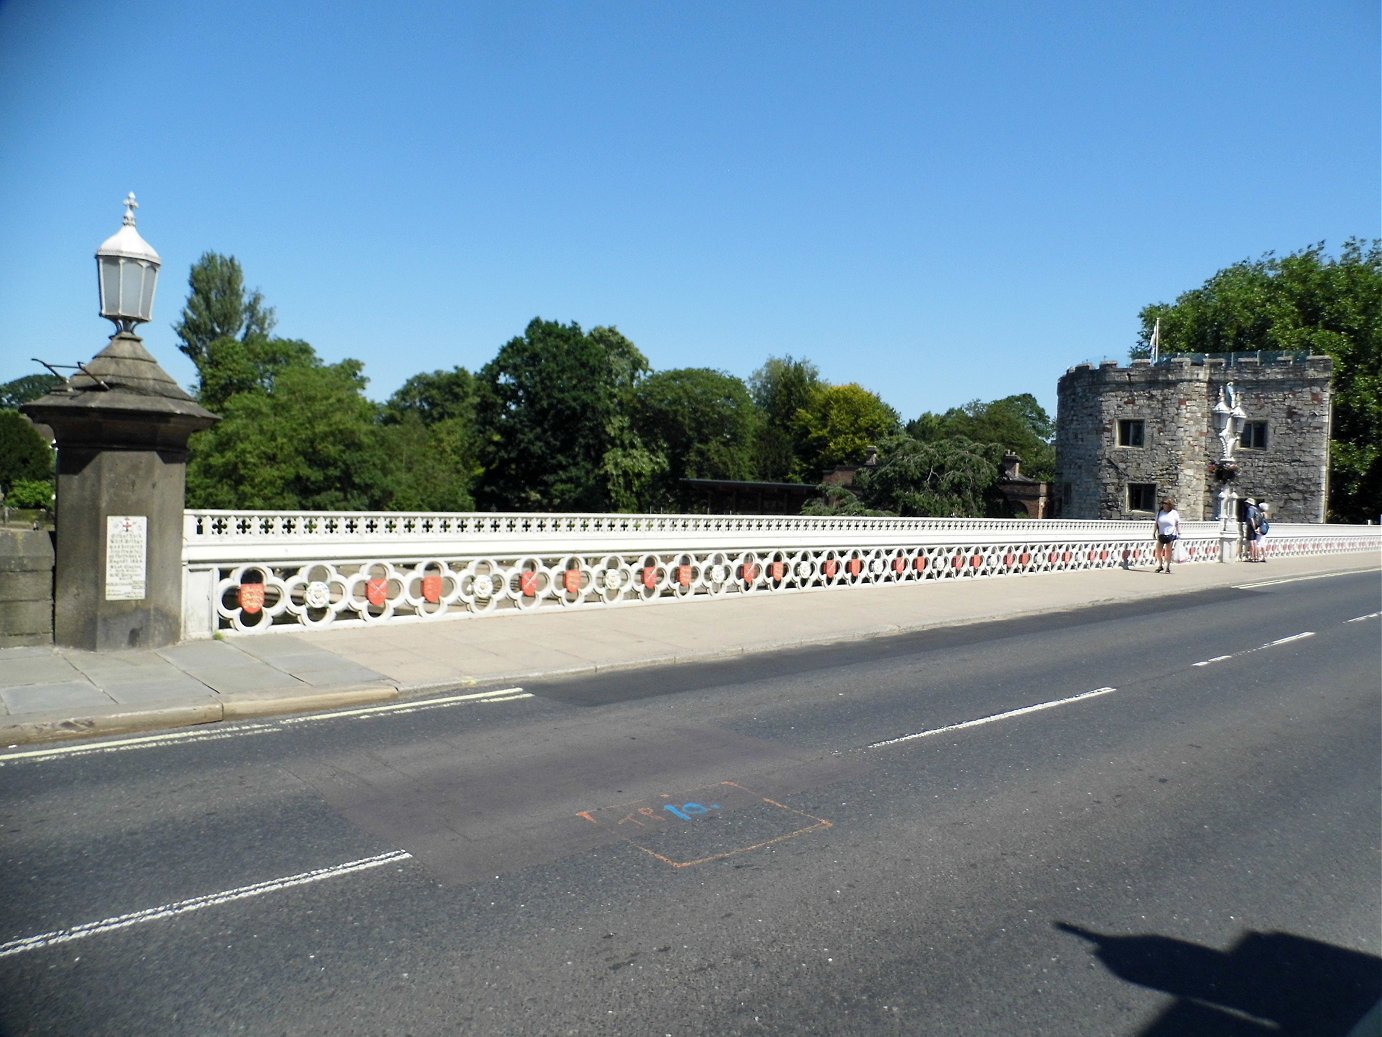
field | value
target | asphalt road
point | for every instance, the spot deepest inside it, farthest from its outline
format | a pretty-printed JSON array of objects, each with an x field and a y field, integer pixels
[{"x": 1148, "y": 820}]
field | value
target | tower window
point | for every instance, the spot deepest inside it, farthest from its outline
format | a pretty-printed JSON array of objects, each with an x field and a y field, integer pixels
[{"x": 1132, "y": 432}]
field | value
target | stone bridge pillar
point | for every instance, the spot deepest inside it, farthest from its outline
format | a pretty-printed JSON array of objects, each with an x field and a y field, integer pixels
[{"x": 121, "y": 427}]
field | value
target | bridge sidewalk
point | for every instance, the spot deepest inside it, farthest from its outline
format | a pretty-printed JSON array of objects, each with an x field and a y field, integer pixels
[{"x": 54, "y": 693}]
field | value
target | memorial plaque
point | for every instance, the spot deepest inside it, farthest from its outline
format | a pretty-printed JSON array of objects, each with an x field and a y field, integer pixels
[{"x": 127, "y": 551}]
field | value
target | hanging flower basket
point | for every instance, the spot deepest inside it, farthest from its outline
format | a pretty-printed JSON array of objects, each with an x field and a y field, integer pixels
[{"x": 1223, "y": 471}]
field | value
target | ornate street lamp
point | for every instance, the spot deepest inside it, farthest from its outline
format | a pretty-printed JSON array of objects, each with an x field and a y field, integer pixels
[
  {"x": 1229, "y": 419},
  {"x": 127, "y": 271}
]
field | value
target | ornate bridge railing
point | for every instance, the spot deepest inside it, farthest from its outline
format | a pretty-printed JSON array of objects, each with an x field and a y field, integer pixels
[{"x": 256, "y": 571}]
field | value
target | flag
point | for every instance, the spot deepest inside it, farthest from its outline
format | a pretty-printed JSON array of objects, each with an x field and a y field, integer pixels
[{"x": 1156, "y": 339}]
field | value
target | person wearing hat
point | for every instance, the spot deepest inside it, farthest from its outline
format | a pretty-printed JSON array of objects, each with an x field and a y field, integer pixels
[{"x": 1252, "y": 519}]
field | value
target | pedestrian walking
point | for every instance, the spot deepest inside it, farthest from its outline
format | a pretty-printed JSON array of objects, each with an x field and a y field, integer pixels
[{"x": 1166, "y": 531}]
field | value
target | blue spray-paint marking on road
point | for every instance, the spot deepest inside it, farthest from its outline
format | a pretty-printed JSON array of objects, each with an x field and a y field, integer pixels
[{"x": 689, "y": 810}]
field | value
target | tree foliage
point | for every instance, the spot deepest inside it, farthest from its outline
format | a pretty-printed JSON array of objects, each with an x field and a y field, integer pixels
[
  {"x": 218, "y": 307},
  {"x": 24, "y": 455},
  {"x": 780, "y": 389},
  {"x": 953, "y": 476},
  {"x": 839, "y": 423},
  {"x": 311, "y": 442},
  {"x": 553, "y": 415},
  {"x": 29, "y": 387},
  {"x": 1017, "y": 423},
  {"x": 702, "y": 423},
  {"x": 1307, "y": 302}
]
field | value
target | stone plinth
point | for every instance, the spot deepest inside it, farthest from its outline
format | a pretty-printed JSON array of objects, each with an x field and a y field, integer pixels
[{"x": 121, "y": 428}]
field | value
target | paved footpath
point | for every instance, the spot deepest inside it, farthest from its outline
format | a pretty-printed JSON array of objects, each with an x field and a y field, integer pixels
[{"x": 54, "y": 693}]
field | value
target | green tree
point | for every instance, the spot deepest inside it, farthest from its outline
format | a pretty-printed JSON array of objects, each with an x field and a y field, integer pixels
[
  {"x": 30, "y": 493},
  {"x": 553, "y": 413},
  {"x": 310, "y": 443},
  {"x": 24, "y": 455},
  {"x": 1306, "y": 302},
  {"x": 429, "y": 424},
  {"x": 951, "y": 476},
  {"x": 839, "y": 423},
  {"x": 1018, "y": 423},
  {"x": 232, "y": 366},
  {"x": 703, "y": 423},
  {"x": 219, "y": 307},
  {"x": 781, "y": 388},
  {"x": 29, "y": 387},
  {"x": 434, "y": 397}
]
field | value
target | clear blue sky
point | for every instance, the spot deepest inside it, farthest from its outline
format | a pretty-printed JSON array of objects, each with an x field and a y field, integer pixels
[{"x": 940, "y": 201}]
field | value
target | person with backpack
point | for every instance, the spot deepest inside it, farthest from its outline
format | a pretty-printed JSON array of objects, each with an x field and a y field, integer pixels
[
  {"x": 1252, "y": 515},
  {"x": 1258, "y": 544}
]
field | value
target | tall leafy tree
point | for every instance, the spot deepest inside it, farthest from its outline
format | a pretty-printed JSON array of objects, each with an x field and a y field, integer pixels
[
  {"x": 840, "y": 422},
  {"x": 703, "y": 423},
  {"x": 219, "y": 307},
  {"x": 950, "y": 476},
  {"x": 24, "y": 455},
  {"x": 553, "y": 414},
  {"x": 312, "y": 442},
  {"x": 1018, "y": 423},
  {"x": 1307, "y": 301},
  {"x": 429, "y": 426},
  {"x": 781, "y": 388},
  {"x": 26, "y": 388}
]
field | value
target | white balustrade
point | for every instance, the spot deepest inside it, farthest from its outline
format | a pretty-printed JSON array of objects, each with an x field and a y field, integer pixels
[{"x": 256, "y": 571}]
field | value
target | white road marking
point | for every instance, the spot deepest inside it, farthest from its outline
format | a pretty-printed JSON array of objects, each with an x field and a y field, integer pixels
[
  {"x": 1299, "y": 579},
  {"x": 993, "y": 719},
  {"x": 220, "y": 733},
  {"x": 394, "y": 708},
  {"x": 1270, "y": 644},
  {"x": 182, "y": 907},
  {"x": 145, "y": 742},
  {"x": 1359, "y": 619}
]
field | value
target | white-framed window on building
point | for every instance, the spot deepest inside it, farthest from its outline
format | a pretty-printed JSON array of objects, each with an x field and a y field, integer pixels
[
  {"x": 1254, "y": 436},
  {"x": 1132, "y": 432},
  {"x": 1142, "y": 496}
]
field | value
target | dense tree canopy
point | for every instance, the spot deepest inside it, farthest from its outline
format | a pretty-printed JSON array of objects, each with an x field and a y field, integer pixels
[
  {"x": 1016, "y": 423},
  {"x": 311, "y": 442},
  {"x": 219, "y": 307},
  {"x": 553, "y": 414},
  {"x": 701, "y": 422},
  {"x": 839, "y": 423},
  {"x": 29, "y": 387},
  {"x": 1306, "y": 302},
  {"x": 24, "y": 455},
  {"x": 780, "y": 389}
]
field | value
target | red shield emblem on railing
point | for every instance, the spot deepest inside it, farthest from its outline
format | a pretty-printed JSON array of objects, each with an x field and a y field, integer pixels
[
  {"x": 527, "y": 583},
  {"x": 830, "y": 567},
  {"x": 377, "y": 591},
  {"x": 856, "y": 566},
  {"x": 778, "y": 569},
  {"x": 684, "y": 575},
  {"x": 750, "y": 572},
  {"x": 251, "y": 597},
  {"x": 571, "y": 580},
  {"x": 431, "y": 588}
]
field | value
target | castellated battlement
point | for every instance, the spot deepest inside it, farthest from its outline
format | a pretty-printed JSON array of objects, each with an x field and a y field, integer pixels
[{"x": 1129, "y": 435}]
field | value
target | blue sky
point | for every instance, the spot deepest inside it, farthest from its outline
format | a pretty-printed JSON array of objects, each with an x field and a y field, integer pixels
[{"x": 939, "y": 201}]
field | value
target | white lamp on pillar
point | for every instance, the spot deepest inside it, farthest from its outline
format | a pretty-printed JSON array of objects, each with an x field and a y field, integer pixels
[
  {"x": 127, "y": 271},
  {"x": 1229, "y": 419}
]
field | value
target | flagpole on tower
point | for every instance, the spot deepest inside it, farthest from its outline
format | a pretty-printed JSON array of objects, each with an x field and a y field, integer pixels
[{"x": 1156, "y": 339}]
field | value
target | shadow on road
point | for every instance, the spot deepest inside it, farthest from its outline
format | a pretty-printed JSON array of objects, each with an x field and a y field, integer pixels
[{"x": 1266, "y": 983}]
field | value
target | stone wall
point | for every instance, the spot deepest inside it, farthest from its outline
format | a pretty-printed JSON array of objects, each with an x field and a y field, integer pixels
[
  {"x": 26, "y": 587},
  {"x": 1174, "y": 400}
]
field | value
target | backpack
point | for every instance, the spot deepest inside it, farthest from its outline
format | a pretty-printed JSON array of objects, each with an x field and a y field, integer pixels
[{"x": 1263, "y": 525}]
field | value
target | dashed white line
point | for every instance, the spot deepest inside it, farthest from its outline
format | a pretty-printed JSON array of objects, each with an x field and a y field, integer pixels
[
  {"x": 1270, "y": 644},
  {"x": 1359, "y": 619},
  {"x": 182, "y": 907},
  {"x": 993, "y": 719}
]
